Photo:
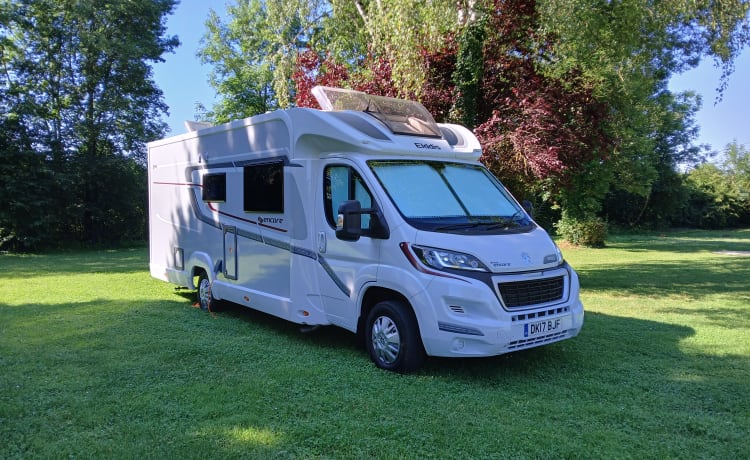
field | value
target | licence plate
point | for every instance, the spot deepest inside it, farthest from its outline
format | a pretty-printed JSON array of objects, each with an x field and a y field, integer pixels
[{"x": 544, "y": 327}]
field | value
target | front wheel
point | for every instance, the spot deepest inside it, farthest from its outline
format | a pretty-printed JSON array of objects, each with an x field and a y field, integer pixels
[{"x": 392, "y": 338}]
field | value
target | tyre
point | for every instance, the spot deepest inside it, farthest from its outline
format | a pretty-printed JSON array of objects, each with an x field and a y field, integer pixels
[
  {"x": 204, "y": 292},
  {"x": 392, "y": 338}
]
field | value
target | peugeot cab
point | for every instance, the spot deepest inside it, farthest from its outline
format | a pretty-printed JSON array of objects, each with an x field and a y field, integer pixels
[{"x": 367, "y": 215}]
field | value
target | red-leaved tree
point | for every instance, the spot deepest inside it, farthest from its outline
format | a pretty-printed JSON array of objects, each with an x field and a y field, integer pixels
[
  {"x": 373, "y": 76},
  {"x": 311, "y": 71},
  {"x": 538, "y": 133}
]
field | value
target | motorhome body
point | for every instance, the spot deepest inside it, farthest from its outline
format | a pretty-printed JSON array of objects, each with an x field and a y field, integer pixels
[{"x": 377, "y": 220}]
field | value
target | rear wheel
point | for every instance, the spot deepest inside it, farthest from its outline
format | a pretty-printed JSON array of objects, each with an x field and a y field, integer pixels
[
  {"x": 392, "y": 338},
  {"x": 204, "y": 292}
]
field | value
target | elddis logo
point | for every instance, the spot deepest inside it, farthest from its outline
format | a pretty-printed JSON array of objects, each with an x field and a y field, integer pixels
[{"x": 427, "y": 146}]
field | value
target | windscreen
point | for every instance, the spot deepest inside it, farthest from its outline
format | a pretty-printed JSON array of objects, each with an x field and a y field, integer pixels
[{"x": 451, "y": 197}]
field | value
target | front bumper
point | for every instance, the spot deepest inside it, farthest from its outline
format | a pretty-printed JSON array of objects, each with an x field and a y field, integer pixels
[{"x": 465, "y": 318}]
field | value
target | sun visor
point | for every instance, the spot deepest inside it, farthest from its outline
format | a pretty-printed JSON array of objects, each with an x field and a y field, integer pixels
[{"x": 399, "y": 115}]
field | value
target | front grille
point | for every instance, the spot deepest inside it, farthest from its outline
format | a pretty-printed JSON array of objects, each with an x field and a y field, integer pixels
[
  {"x": 533, "y": 342},
  {"x": 539, "y": 314},
  {"x": 516, "y": 294}
]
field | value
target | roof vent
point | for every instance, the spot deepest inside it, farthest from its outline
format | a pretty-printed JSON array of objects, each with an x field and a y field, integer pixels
[
  {"x": 196, "y": 125},
  {"x": 449, "y": 135},
  {"x": 399, "y": 115}
]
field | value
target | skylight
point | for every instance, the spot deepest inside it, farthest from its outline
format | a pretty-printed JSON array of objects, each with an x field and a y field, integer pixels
[{"x": 399, "y": 115}]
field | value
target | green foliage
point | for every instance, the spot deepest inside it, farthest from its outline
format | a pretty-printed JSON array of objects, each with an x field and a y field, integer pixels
[
  {"x": 469, "y": 70},
  {"x": 648, "y": 191},
  {"x": 624, "y": 44},
  {"x": 255, "y": 52},
  {"x": 79, "y": 103},
  {"x": 398, "y": 31},
  {"x": 569, "y": 97},
  {"x": 29, "y": 217},
  {"x": 661, "y": 208},
  {"x": 81, "y": 73},
  {"x": 719, "y": 195},
  {"x": 590, "y": 233},
  {"x": 629, "y": 50},
  {"x": 736, "y": 167},
  {"x": 711, "y": 195},
  {"x": 240, "y": 73}
]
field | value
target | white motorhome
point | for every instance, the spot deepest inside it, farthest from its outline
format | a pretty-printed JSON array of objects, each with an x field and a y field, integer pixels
[{"x": 366, "y": 215}]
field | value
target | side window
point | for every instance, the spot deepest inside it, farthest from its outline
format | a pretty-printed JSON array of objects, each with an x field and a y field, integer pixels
[
  {"x": 215, "y": 187},
  {"x": 342, "y": 183},
  {"x": 264, "y": 187}
]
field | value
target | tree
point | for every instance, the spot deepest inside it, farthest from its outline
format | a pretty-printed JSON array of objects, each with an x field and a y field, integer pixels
[
  {"x": 241, "y": 74},
  {"x": 621, "y": 55},
  {"x": 629, "y": 50},
  {"x": 623, "y": 44},
  {"x": 712, "y": 203},
  {"x": 736, "y": 165},
  {"x": 719, "y": 192},
  {"x": 254, "y": 54},
  {"x": 398, "y": 30},
  {"x": 27, "y": 191},
  {"x": 78, "y": 79},
  {"x": 661, "y": 193},
  {"x": 568, "y": 98},
  {"x": 538, "y": 132},
  {"x": 736, "y": 168},
  {"x": 311, "y": 71}
]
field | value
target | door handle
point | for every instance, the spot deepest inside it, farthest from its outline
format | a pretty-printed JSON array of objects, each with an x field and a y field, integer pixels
[{"x": 321, "y": 242}]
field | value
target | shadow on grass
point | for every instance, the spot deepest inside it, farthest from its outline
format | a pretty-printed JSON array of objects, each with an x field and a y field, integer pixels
[
  {"x": 324, "y": 337},
  {"x": 164, "y": 379},
  {"x": 611, "y": 377},
  {"x": 605, "y": 340}
]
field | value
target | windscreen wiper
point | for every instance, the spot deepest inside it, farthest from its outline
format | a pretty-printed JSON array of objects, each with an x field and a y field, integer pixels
[
  {"x": 461, "y": 226},
  {"x": 505, "y": 223}
]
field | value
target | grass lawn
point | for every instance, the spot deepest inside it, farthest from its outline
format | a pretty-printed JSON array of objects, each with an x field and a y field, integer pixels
[{"x": 98, "y": 360}]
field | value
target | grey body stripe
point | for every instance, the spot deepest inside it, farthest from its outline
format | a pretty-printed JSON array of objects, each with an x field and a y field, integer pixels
[
  {"x": 340, "y": 284},
  {"x": 256, "y": 236}
]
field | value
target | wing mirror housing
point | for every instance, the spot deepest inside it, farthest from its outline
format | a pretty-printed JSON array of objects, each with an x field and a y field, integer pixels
[{"x": 349, "y": 222}]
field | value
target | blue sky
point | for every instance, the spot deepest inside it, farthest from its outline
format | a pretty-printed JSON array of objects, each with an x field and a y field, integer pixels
[{"x": 184, "y": 82}]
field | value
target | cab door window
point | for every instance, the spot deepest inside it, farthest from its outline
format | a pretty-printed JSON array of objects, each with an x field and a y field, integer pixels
[{"x": 342, "y": 183}]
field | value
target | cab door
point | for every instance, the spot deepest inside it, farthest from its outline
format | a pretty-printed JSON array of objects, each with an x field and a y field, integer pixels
[{"x": 345, "y": 267}]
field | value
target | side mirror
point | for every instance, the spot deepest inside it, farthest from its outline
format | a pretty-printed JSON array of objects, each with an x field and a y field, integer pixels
[{"x": 349, "y": 221}]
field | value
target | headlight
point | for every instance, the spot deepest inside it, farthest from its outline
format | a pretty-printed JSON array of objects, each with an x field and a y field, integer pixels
[
  {"x": 442, "y": 259},
  {"x": 556, "y": 257}
]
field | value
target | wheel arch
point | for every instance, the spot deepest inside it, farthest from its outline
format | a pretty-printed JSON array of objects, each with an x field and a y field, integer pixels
[
  {"x": 377, "y": 294},
  {"x": 195, "y": 272},
  {"x": 199, "y": 262},
  {"x": 390, "y": 331}
]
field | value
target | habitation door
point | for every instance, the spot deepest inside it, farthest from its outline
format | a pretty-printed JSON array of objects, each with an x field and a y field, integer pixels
[
  {"x": 345, "y": 267},
  {"x": 230, "y": 253}
]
